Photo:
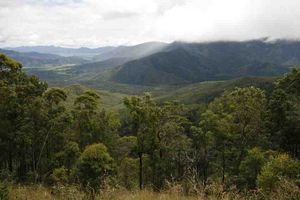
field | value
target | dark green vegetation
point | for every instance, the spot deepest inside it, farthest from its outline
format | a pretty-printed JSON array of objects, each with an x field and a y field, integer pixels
[
  {"x": 191, "y": 62},
  {"x": 246, "y": 139}
]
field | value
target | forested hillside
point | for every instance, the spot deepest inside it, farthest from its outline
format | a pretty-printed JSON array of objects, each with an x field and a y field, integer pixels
[
  {"x": 194, "y": 62},
  {"x": 241, "y": 144}
]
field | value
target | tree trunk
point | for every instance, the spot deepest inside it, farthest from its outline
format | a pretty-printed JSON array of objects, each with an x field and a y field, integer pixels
[
  {"x": 141, "y": 170},
  {"x": 10, "y": 160},
  {"x": 206, "y": 165},
  {"x": 223, "y": 164}
]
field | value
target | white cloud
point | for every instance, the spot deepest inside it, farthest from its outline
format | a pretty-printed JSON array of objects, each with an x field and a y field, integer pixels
[{"x": 112, "y": 22}]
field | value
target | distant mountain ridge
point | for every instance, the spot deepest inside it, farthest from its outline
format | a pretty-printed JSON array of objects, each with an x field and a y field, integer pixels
[
  {"x": 182, "y": 62},
  {"x": 99, "y": 54},
  {"x": 38, "y": 60},
  {"x": 62, "y": 51},
  {"x": 132, "y": 52},
  {"x": 156, "y": 63}
]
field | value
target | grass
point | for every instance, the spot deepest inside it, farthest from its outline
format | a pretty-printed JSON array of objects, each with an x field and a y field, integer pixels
[
  {"x": 285, "y": 190},
  {"x": 37, "y": 192}
]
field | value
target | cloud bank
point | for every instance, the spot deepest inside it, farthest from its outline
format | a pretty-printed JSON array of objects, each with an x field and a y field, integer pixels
[{"x": 113, "y": 22}]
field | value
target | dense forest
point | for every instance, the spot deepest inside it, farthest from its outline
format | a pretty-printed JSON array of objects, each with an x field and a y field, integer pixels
[{"x": 245, "y": 142}]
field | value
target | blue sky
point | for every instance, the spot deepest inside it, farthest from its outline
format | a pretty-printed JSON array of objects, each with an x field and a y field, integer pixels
[{"x": 94, "y": 23}]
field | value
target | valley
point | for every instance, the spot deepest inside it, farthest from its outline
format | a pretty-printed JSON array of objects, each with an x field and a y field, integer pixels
[
  {"x": 149, "y": 100},
  {"x": 158, "y": 109},
  {"x": 189, "y": 72}
]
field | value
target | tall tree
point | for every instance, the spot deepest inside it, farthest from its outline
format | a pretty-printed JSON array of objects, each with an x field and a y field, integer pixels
[
  {"x": 85, "y": 112},
  {"x": 284, "y": 113},
  {"x": 235, "y": 121}
]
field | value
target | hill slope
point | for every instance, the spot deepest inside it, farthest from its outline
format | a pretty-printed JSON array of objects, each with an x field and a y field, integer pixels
[
  {"x": 195, "y": 62},
  {"x": 132, "y": 52},
  {"x": 206, "y": 91},
  {"x": 62, "y": 51},
  {"x": 108, "y": 100},
  {"x": 34, "y": 59}
]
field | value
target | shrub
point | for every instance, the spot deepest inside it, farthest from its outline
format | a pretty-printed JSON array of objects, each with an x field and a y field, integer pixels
[
  {"x": 3, "y": 191},
  {"x": 250, "y": 167},
  {"x": 59, "y": 175},
  {"x": 94, "y": 165},
  {"x": 277, "y": 169}
]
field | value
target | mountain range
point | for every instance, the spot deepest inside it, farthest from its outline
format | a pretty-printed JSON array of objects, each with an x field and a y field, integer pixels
[
  {"x": 155, "y": 63},
  {"x": 38, "y": 59},
  {"x": 62, "y": 51},
  {"x": 195, "y": 62}
]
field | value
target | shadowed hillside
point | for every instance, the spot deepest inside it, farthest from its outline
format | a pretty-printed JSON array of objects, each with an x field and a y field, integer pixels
[{"x": 195, "y": 62}]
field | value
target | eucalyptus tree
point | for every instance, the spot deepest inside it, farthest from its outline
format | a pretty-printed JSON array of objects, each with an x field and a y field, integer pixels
[
  {"x": 284, "y": 113},
  {"x": 232, "y": 124},
  {"x": 203, "y": 143},
  {"x": 160, "y": 137},
  {"x": 85, "y": 112},
  {"x": 21, "y": 100},
  {"x": 142, "y": 115}
]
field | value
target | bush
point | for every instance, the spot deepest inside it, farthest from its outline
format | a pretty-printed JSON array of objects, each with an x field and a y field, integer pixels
[
  {"x": 250, "y": 168},
  {"x": 59, "y": 175},
  {"x": 93, "y": 166},
  {"x": 3, "y": 191},
  {"x": 281, "y": 167}
]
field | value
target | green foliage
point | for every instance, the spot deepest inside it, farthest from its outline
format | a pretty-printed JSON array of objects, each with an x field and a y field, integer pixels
[
  {"x": 59, "y": 175},
  {"x": 251, "y": 166},
  {"x": 71, "y": 153},
  {"x": 4, "y": 192},
  {"x": 234, "y": 124},
  {"x": 203, "y": 143},
  {"x": 94, "y": 165},
  {"x": 55, "y": 96},
  {"x": 159, "y": 132},
  {"x": 85, "y": 110},
  {"x": 233, "y": 142},
  {"x": 128, "y": 173},
  {"x": 87, "y": 101},
  {"x": 290, "y": 82},
  {"x": 284, "y": 113},
  {"x": 124, "y": 146},
  {"x": 8, "y": 64},
  {"x": 276, "y": 169}
]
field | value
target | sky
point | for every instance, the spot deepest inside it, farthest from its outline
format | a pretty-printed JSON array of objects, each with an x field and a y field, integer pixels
[{"x": 94, "y": 23}]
